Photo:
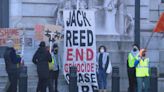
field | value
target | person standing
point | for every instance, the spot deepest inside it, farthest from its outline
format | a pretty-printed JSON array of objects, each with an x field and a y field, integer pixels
[
  {"x": 55, "y": 67},
  {"x": 41, "y": 59},
  {"x": 142, "y": 72},
  {"x": 12, "y": 66},
  {"x": 103, "y": 63},
  {"x": 132, "y": 57}
]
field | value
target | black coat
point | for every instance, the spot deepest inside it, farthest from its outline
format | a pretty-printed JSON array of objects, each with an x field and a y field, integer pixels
[
  {"x": 11, "y": 59},
  {"x": 41, "y": 59}
]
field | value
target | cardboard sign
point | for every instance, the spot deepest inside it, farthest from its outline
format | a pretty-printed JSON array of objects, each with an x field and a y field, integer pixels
[
  {"x": 39, "y": 32},
  {"x": 41, "y": 29},
  {"x": 10, "y": 34}
]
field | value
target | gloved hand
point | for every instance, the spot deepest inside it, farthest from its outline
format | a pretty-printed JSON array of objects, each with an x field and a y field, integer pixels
[{"x": 136, "y": 63}]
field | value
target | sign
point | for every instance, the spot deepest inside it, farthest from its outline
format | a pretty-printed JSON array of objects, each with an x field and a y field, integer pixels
[
  {"x": 10, "y": 34},
  {"x": 80, "y": 48},
  {"x": 39, "y": 32},
  {"x": 41, "y": 29},
  {"x": 55, "y": 29}
]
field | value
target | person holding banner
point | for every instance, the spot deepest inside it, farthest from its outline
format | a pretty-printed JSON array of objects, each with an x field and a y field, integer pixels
[
  {"x": 41, "y": 59},
  {"x": 12, "y": 66},
  {"x": 104, "y": 67},
  {"x": 54, "y": 67}
]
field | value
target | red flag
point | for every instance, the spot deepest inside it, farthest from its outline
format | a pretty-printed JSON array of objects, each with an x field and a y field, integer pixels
[{"x": 160, "y": 24}]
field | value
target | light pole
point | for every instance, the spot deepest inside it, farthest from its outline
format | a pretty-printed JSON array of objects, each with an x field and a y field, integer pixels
[{"x": 137, "y": 23}]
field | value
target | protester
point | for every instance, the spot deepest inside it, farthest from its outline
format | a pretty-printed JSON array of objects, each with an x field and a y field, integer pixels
[
  {"x": 54, "y": 68},
  {"x": 142, "y": 72},
  {"x": 12, "y": 66},
  {"x": 103, "y": 64},
  {"x": 132, "y": 57},
  {"x": 41, "y": 59}
]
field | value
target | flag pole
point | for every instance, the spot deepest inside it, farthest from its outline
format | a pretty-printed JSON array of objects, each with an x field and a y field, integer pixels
[
  {"x": 23, "y": 47},
  {"x": 147, "y": 44}
]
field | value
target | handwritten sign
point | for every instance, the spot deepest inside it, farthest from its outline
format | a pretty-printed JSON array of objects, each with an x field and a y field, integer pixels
[
  {"x": 9, "y": 33},
  {"x": 80, "y": 48}
]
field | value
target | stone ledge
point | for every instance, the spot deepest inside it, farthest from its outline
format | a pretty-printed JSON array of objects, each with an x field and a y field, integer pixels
[{"x": 40, "y": 1}]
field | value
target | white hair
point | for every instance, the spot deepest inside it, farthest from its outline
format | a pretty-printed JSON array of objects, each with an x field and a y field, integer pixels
[{"x": 10, "y": 43}]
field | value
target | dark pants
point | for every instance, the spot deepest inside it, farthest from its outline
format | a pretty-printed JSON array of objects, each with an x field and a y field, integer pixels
[
  {"x": 102, "y": 76},
  {"x": 13, "y": 76},
  {"x": 42, "y": 84},
  {"x": 53, "y": 77},
  {"x": 132, "y": 80}
]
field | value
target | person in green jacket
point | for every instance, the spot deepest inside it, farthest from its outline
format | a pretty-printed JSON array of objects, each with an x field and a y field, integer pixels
[
  {"x": 54, "y": 67},
  {"x": 142, "y": 72},
  {"x": 132, "y": 57}
]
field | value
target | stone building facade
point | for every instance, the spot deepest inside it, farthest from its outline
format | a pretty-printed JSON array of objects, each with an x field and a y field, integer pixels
[{"x": 27, "y": 13}]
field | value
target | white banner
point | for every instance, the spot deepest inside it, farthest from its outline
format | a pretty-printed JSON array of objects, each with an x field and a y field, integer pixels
[{"x": 80, "y": 48}]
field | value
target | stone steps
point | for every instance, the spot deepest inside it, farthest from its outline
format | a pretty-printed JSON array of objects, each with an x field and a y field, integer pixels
[
  {"x": 32, "y": 78},
  {"x": 116, "y": 49},
  {"x": 63, "y": 87}
]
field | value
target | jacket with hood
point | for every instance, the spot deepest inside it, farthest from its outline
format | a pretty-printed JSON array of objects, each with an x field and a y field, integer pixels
[
  {"x": 11, "y": 59},
  {"x": 41, "y": 59}
]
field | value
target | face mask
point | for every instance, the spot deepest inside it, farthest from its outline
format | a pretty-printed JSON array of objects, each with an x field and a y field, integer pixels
[
  {"x": 134, "y": 49},
  {"x": 101, "y": 50},
  {"x": 143, "y": 54},
  {"x": 55, "y": 51}
]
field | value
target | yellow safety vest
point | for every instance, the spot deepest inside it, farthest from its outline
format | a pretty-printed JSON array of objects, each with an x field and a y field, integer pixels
[
  {"x": 142, "y": 69},
  {"x": 51, "y": 64},
  {"x": 132, "y": 59}
]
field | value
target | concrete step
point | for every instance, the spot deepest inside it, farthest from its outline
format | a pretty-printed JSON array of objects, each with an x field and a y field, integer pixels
[{"x": 33, "y": 79}]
